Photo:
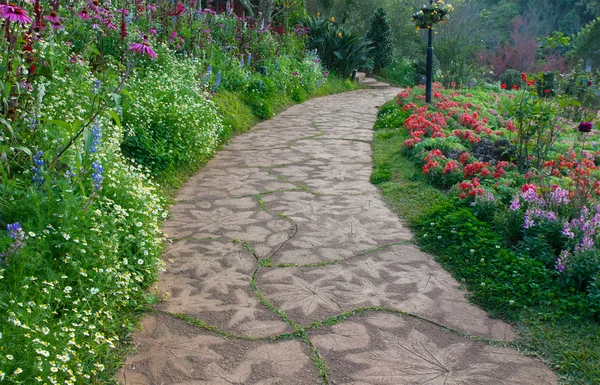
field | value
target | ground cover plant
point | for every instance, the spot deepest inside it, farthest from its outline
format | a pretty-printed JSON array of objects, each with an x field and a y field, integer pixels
[
  {"x": 502, "y": 186},
  {"x": 104, "y": 106}
]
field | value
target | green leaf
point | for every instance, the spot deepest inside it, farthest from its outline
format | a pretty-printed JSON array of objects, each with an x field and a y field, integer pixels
[
  {"x": 115, "y": 116},
  {"x": 62, "y": 123},
  {"x": 117, "y": 98},
  {"x": 8, "y": 126},
  {"x": 25, "y": 150}
]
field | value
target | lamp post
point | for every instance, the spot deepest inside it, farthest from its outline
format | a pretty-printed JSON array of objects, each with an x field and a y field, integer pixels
[{"x": 429, "y": 79}]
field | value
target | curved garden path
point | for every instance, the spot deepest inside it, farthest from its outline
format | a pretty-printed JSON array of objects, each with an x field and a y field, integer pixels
[{"x": 286, "y": 267}]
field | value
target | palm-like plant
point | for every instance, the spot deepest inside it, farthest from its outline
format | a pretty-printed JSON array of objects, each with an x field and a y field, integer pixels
[{"x": 340, "y": 49}]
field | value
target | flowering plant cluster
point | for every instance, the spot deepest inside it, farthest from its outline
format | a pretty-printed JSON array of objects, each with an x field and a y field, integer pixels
[
  {"x": 431, "y": 15},
  {"x": 529, "y": 164},
  {"x": 99, "y": 99}
]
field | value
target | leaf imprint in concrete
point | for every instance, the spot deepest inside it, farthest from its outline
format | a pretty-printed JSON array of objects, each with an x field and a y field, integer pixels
[{"x": 398, "y": 350}]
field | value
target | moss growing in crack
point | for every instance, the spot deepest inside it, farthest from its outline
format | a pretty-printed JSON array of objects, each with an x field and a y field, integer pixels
[
  {"x": 360, "y": 312},
  {"x": 213, "y": 329},
  {"x": 269, "y": 305}
]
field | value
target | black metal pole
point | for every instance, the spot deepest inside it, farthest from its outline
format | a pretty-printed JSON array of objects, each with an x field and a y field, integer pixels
[{"x": 429, "y": 79}]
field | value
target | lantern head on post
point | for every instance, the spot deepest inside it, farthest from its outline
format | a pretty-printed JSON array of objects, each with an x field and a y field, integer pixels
[{"x": 427, "y": 18}]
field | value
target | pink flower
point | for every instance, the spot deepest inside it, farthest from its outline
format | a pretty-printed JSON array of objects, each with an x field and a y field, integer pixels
[
  {"x": 14, "y": 14},
  {"x": 143, "y": 48},
  {"x": 53, "y": 18},
  {"x": 152, "y": 31},
  {"x": 84, "y": 14},
  {"x": 151, "y": 8}
]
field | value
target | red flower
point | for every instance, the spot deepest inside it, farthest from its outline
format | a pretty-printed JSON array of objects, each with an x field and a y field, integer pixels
[
  {"x": 546, "y": 91},
  {"x": 503, "y": 86},
  {"x": 524, "y": 76},
  {"x": 515, "y": 87},
  {"x": 528, "y": 186},
  {"x": 531, "y": 82}
]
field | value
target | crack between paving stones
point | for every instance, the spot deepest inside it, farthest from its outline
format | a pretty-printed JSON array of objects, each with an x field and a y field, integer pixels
[
  {"x": 299, "y": 331},
  {"x": 341, "y": 261},
  {"x": 359, "y": 312}
]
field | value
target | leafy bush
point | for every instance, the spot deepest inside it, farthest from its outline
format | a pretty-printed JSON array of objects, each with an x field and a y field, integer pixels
[
  {"x": 400, "y": 72},
  {"x": 498, "y": 278},
  {"x": 168, "y": 118},
  {"x": 511, "y": 78}
]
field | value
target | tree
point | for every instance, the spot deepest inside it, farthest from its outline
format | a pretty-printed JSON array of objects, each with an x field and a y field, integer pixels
[
  {"x": 586, "y": 44},
  {"x": 381, "y": 37}
]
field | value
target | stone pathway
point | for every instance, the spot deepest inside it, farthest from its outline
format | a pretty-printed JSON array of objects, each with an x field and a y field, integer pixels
[
  {"x": 370, "y": 82},
  {"x": 287, "y": 268}
]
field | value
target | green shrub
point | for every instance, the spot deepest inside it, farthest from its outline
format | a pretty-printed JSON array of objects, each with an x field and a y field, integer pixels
[
  {"x": 380, "y": 35},
  {"x": 498, "y": 278},
  {"x": 261, "y": 108},
  {"x": 236, "y": 115},
  {"x": 168, "y": 118},
  {"x": 401, "y": 72},
  {"x": 511, "y": 78}
]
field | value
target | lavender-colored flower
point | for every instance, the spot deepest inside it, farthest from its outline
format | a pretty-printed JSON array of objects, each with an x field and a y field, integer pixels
[
  {"x": 277, "y": 66},
  {"x": 585, "y": 127},
  {"x": 97, "y": 137},
  {"x": 18, "y": 235},
  {"x": 560, "y": 196},
  {"x": 97, "y": 84},
  {"x": 249, "y": 59},
  {"x": 567, "y": 232},
  {"x": 38, "y": 163},
  {"x": 561, "y": 262},
  {"x": 531, "y": 196},
  {"x": 529, "y": 222},
  {"x": 241, "y": 65},
  {"x": 217, "y": 82},
  {"x": 97, "y": 175},
  {"x": 515, "y": 204}
]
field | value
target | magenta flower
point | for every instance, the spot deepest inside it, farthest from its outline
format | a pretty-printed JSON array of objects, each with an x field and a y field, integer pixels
[
  {"x": 14, "y": 14},
  {"x": 53, "y": 18},
  {"x": 143, "y": 48},
  {"x": 152, "y": 31},
  {"x": 151, "y": 8},
  {"x": 585, "y": 127},
  {"x": 84, "y": 14}
]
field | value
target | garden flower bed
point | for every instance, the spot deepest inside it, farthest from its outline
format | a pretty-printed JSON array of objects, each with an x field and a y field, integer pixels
[
  {"x": 104, "y": 107},
  {"x": 503, "y": 188}
]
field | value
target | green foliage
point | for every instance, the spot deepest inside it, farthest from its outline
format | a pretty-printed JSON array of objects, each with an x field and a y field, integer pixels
[
  {"x": 380, "y": 35},
  {"x": 497, "y": 278},
  {"x": 341, "y": 50},
  {"x": 169, "y": 120},
  {"x": 400, "y": 72},
  {"x": 511, "y": 78},
  {"x": 261, "y": 108},
  {"x": 586, "y": 44},
  {"x": 236, "y": 115}
]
